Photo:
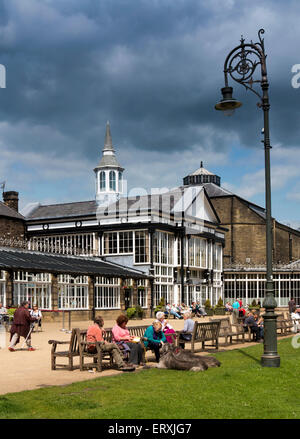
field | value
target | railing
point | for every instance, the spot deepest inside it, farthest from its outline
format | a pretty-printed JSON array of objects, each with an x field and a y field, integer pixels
[
  {"x": 262, "y": 267},
  {"x": 26, "y": 244}
]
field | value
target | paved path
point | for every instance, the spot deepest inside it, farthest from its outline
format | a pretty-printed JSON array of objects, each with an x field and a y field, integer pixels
[{"x": 24, "y": 370}]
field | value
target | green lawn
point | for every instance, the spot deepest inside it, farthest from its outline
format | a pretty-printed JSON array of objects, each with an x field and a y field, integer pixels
[{"x": 240, "y": 388}]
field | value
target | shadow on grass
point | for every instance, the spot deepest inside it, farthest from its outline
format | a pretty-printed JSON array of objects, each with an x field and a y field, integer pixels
[{"x": 242, "y": 351}]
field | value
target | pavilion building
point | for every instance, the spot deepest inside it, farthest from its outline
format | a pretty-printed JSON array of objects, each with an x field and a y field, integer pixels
[{"x": 175, "y": 237}]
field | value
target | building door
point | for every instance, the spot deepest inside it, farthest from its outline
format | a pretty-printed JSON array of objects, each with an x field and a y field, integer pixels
[{"x": 127, "y": 297}]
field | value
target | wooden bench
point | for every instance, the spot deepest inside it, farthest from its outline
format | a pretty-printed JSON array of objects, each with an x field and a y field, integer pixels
[
  {"x": 97, "y": 356},
  {"x": 78, "y": 348},
  {"x": 70, "y": 353},
  {"x": 139, "y": 331},
  {"x": 281, "y": 324},
  {"x": 100, "y": 354},
  {"x": 202, "y": 333},
  {"x": 292, "y": 324},
  {"x": 226, "y": 330}
]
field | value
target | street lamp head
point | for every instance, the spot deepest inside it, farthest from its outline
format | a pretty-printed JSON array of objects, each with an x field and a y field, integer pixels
[{"x": 228, "y": 104}]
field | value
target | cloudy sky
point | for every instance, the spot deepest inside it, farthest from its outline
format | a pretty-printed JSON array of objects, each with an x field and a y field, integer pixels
[{"x": 153, "y": 68}]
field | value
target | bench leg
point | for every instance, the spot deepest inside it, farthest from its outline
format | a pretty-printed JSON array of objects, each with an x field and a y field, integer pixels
[
  {"x": 99, "y": 362},
  {"x": 53, "y": 362},
  {"x": 81, "y": 362}
]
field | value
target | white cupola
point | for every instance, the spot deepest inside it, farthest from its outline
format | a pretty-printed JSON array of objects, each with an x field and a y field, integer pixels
[{"x": 109, "y": 174}]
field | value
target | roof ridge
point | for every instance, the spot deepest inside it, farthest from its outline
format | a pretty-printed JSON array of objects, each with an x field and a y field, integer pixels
[{"x": 62, "y": 204}]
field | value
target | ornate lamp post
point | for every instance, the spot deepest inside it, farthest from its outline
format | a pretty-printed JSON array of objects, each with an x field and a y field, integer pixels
[{"x": 240, "y": 65}]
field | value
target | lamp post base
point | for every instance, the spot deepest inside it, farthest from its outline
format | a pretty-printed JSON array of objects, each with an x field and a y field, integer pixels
[{"x": 270, "y": 361}]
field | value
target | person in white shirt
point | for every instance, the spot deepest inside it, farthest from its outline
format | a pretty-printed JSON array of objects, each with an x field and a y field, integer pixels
[
  {"x": 35, "y": 312},
  {"x": 166, "y": 327},
  {"x": 295, "y": 316},
  {"x": 3, "y": 314}
]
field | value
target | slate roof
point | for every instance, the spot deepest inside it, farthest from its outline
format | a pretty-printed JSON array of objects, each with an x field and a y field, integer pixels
[
  {"x": 64, "y": 210},
  {"x": 32, "y": 261},
  {"x": 109, "y": 161},
  {"x": 157, "y": 202},
  {"x": 9, "y": 212}
]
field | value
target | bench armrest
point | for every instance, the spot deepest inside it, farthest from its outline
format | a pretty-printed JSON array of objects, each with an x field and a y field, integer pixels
[
  {"x": 58, "y": 342},
  {"x": 94, "y": 343}
]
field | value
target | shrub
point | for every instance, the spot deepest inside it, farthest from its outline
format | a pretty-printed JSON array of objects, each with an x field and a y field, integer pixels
[
  {"x": 139, "y": 311},
  {"x": 161, "y": 305},
  {"x": 207, "y": 304},
  {"x": 253, "y": 303},
  {"x": 11, "y": 311},
  {"x": 130, "y": 312},
  {"x": 220, "y": 303}
]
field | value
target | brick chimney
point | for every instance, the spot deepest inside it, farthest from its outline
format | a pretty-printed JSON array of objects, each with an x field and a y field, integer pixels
[{"x": 11, "y": 199}]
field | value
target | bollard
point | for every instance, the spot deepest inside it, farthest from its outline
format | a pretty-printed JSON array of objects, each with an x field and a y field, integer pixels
[{"x": 2, "y": 336}]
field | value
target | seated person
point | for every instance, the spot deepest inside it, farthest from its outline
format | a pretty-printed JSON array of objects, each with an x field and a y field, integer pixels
[
  {"x": 242, "y": 312},
  {"x": 200, "y": 311},
  {"x": 251, "y": 323},
  {"x": 122, "y": 338},
  {"x": 167, "y": 309},
  {"x": 155, "y": 338},
  {"x": 175, "y": 312},
  {"x": 187, "y": 328},
  {"x": 295, "y": 316},
  {"x": 35, "y": 312},
  {"x": 183, "y": 308},
  {"x": 166, "y": 327},
  {"x": 260, "y": 323},
  {"x": 228, "y": 306},
  {"x": 3, "y": 314},
  {"x": 95, "y": 333}
]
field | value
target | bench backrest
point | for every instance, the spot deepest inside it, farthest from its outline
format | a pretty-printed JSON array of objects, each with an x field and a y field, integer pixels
[
  {"x": 225, "y": 325},
  {"x": 206, "y": 331},
  {"x": 80, "y": 334},
  {"x": 77, "y": 336},
  {"x": 137, "y": 331}
]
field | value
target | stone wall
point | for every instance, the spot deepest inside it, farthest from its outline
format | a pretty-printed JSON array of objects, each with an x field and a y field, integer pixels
[
  {"x": 245, "y": 241},
  {"x": 84, "y": 315},
  {"x": 11, "y": 228}
]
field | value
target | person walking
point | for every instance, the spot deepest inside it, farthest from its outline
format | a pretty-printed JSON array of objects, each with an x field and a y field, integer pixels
[
  {"x": 235, "y": 311},
  {"x": 21, "y": 327},
  {"x": 292, "y": 305}
]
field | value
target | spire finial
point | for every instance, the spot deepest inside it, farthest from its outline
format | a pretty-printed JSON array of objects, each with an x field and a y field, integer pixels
[
  {"x": 201, "y": 164},
  {"x": 108, "y": 141}
]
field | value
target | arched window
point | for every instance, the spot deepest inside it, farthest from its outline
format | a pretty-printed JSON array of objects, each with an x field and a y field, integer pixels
[
  {"x": 112, "y": 180},
  {"x": 120, "y": 182},
  {"x": 102, "y": 181}
]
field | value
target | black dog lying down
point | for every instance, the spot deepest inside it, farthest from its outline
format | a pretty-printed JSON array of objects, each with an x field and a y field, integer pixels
[{"x": 173, "y": 357}]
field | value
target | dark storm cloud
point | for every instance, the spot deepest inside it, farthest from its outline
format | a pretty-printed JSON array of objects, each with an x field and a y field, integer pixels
[{"x": 153, "y": 68}]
